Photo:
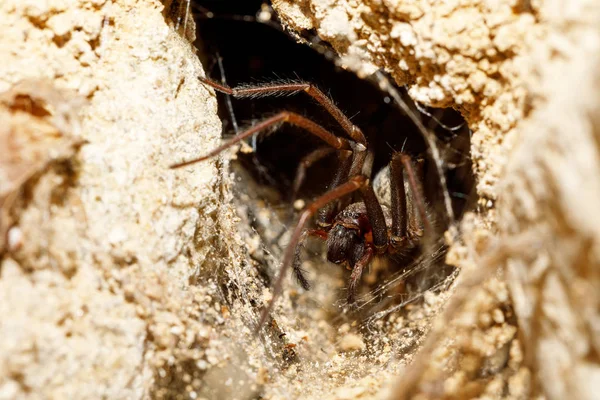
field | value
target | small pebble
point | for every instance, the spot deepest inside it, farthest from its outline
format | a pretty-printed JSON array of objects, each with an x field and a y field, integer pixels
[
  {"x": 15, "y": 239},
  {"x": 352, "y": 341}
]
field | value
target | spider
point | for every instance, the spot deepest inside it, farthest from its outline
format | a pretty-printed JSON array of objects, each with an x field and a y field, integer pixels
[{"x": 390, "y": 216}]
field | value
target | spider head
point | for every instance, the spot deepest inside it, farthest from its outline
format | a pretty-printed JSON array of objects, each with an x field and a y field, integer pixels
[{"x": 344, "y": 244}]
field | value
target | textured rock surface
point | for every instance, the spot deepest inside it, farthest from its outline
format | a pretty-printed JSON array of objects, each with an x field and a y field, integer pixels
[
  {"x": 552, "y": 191},
  {"x": 104, "y": 239}
]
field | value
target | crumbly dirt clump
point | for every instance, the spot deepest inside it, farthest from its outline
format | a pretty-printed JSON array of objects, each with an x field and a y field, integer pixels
[{"x": 108, "y": 258}]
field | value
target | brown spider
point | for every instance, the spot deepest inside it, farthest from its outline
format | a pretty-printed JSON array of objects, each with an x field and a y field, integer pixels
[{"x": 390, "y": 217}]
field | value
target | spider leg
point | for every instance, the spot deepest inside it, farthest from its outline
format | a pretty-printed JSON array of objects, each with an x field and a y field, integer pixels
[
  {"x": 399, "y": 231},
  {"x": 362, "y": 164},
  {"x": 296, "y": 266},
  {"x": 306, "y": 162},
  {"x": 357, "y": 273},
  {"x": 349, "y": 167},
  {"x": 376, "y": 218},
  {"x": 374, "y": 210},
  {"x": 417, "y": 192},
  {"x": 284, "y": 116},
  {"x": 400, "y": 164},
  {"x": 354, "y": 184},
  {"x": 327, "y": 213},
  {"x": 358, "y": 143},
  {"x": 294, "y": 87}
]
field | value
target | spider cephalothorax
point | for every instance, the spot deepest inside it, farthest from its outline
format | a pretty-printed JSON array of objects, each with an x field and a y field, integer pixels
[
  {"x": 388, "y": 218},
  {"x": 345, "y": 245}
]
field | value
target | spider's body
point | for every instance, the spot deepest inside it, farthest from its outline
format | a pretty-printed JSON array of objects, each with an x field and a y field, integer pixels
[
  {"x": 389, "y": 217},
  {"x": 349, "y": 238}
]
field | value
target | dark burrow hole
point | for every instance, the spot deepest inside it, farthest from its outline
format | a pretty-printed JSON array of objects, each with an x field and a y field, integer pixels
[{"x": 255, "y": 52}]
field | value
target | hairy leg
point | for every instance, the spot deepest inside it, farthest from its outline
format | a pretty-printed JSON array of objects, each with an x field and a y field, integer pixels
[
  {"x": 290, "y": 88},
  {"x": 400, "y": 235},
  {"x": 284, "y": 116},
  {"x": 357, "y": 273},
  {"x": 353, "y": 184},
  {"x": 307, "y": 161},
  {"x": 297, "y": 264}
]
